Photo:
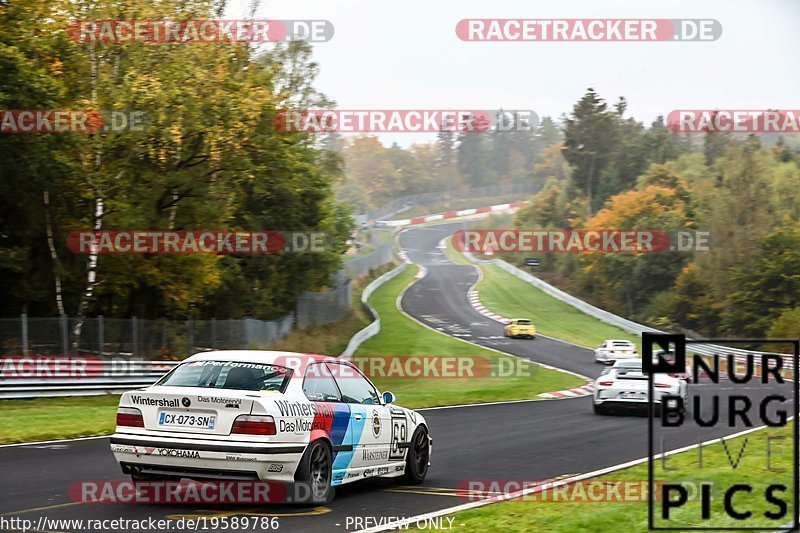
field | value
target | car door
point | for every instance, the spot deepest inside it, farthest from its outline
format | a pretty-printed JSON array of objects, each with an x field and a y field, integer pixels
[
  {"x": 370, "y": 420},
  {"x": 319, "y": 386}
]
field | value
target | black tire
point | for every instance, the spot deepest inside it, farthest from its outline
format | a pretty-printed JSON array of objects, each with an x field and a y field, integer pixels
[
  {"x": 314, "y": 475},
  {"x": 417, "y": 458},
  {"x": 598, "y": 409}
]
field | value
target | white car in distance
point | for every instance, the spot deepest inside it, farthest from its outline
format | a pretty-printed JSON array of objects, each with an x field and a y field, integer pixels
[
  {"x": 625, "y": 385},
  {"x": 614, "y": 350}
]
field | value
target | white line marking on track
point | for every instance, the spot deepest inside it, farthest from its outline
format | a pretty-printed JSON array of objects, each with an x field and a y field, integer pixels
[
  {"x": 405, "y": 522},
  {"x": 38, "y": 443}
]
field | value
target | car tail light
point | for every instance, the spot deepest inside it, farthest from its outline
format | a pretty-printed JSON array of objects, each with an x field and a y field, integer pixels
[
  {"x": 254, "y": 425},
  {"x": 130, "y": 416},
  {"x": 662, "y": 385},
  {"x": 605, "y": 383},
  {"x": 635, "y": 351}
]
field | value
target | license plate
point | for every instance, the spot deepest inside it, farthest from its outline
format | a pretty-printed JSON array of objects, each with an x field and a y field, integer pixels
[
  {"x": 187, "y": 420},
  {"x": 632, "y": 395}
]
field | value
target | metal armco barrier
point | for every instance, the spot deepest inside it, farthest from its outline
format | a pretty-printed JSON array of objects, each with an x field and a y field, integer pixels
[
  {"x": 374, "y": 327},
  {"x": 615, "y": 320},
  {"x": 28, "y": 377}
]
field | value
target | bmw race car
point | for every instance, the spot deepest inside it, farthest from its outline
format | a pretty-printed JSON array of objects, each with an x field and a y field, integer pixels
[
  {"x": 625, "y": 385},
  {"x": 274, "y": 416}
]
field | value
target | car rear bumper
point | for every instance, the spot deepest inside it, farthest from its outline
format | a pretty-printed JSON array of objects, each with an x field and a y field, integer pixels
[
  {"x": 206, "y": 459},
  {"x": 611, "y": 397}
]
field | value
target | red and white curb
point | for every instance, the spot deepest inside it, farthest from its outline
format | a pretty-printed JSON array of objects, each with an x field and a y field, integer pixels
[
  {"x": 452, "y": 214},
  {"x": 585, "y": 390},
  {"x": 475, "y": 302}
]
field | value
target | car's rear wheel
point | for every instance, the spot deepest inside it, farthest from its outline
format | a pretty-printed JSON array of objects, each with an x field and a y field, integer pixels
[
  {"x": 314, "y": 474},
  {"x": 417, "y": 458},
  {"x": 599, "y": 409}
]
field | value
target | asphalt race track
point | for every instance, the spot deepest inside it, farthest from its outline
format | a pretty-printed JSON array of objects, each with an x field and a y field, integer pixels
[{"x": 536, "y": 440}]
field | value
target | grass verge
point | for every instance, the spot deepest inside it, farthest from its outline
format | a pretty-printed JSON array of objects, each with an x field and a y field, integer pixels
[
  {"x": 402, "y": 336},
  {"x": 38, "y": 419},
  {"x": 509, "y": 296},
  {"x": 573, "y": 509}
]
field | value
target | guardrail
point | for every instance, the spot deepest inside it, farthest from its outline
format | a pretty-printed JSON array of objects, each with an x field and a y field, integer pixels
[
  {"x": 94, "y": 377},
  {"x": 400, "y": 205},
  {"x": 375, "y": 326},
  {"x": 616, "y": 320},
  {"x": 49, "y": 376}
]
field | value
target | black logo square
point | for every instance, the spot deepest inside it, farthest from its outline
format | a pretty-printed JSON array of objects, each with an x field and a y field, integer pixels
[{"x": 662, "y": 342}]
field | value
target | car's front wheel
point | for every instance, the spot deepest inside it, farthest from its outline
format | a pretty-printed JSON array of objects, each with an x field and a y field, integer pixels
[
  {"x": 417, "y": 458},
  {"x": 314, "y": 474}
]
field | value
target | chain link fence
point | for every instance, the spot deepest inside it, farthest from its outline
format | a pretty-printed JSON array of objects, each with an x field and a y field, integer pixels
[
  {"x": 162, "y": 339},
  {"x": 361, "y": 265},
  {"x": 135, "y": 337},
  {"x": 175, "y": 339},
  {"x": 319, "y": 308}
]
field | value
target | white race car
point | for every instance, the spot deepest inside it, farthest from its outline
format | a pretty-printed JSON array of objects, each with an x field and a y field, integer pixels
[
  {"x": 614, "y": 350},
  {"x": 268, "y": 416},
  {"x": 625, "y": 385}
]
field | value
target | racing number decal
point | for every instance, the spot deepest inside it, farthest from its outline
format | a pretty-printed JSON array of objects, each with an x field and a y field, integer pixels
[{"x": 399, "y": 434}]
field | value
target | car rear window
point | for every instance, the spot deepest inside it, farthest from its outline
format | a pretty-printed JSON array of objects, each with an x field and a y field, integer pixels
[
  {"x": 623, "y": 344},
  {"x": 231, "y": 375},
  {"x": 524, "y": 322}
]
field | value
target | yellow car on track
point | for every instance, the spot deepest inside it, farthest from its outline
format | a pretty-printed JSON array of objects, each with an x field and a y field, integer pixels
[{"x": 520, "y": 327}]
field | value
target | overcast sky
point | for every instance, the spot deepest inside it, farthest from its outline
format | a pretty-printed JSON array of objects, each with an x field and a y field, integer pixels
[{"x": 405, "y": 55}]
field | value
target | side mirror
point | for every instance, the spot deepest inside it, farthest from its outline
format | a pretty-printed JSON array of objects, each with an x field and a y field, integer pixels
[{"x": 388, "y": 398}]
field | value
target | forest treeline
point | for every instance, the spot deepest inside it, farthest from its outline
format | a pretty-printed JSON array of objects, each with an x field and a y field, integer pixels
[
  {"x": 743, "y": 190},
  {"x": 207, "y": 158}
]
